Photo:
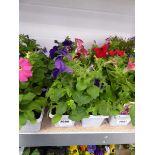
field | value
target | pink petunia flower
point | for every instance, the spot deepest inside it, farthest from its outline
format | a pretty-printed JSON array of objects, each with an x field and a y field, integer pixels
[
  {"x": 80, "y": 47},
  {"x": 24, "y": 69},
  {"x": 131, "y": 65}
]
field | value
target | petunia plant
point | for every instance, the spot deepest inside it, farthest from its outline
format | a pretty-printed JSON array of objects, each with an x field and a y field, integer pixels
[
  {"x": 34, "y": 79},
  {"x": 116, "y": 58},
  {"x": 64, "y": 94},
  {"x": 94, "y": 82},
  {"x": 75, "y": 81}
]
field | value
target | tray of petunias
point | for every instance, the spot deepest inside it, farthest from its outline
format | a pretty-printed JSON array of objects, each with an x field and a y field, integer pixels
[
  {"x": 116, "y": 57},
  {"x": 91, "y": 85},
  {"x": 34, "y": 79}
]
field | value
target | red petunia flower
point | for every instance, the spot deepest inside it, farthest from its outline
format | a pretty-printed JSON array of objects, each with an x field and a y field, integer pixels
[
  {"x": 112, "y": 52},
  {"x": 120, "y": 53},
  {"x": 101, "y": 52}
]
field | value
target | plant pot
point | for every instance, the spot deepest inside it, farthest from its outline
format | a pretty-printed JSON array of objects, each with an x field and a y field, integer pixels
[
  {"x": 29, "y": 127},
  {"x": 119, "y": 120},
  {"x": 64, "y": 122},
  {"x": 21, "y": 149},
  {"x": 93, "y": 121}
]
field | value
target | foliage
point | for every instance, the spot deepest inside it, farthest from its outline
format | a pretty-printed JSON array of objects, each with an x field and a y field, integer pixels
[
  {"x": 27, "y": 44},
  {"x": 127, "y": 45},
  {"x": 132, "y": 114},
  {"x": 28, "y": 151},
  {"x": 44, "y": 150},
  {"x": 32, "y": 92}
]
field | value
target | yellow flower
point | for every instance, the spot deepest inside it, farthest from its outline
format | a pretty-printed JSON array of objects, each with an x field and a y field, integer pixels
[
  {"x": 73, "y": 147},
  {"x": 112, "y": 148},
  {"x": 73, "y": 150},
  {"x": 87, "y": 153}
]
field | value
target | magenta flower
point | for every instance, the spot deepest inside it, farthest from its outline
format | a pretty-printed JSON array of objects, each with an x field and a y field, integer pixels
[{"x": 24, "y": 69}]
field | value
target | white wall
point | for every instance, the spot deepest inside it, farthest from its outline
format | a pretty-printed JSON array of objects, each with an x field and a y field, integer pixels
[{"x": 47, "y": 20}]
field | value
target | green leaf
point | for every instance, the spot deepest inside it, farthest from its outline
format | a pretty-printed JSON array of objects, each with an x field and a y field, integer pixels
[
  {"x": 69, "y": 92},
  {"x": 37, "y": 90},
  {"x": 93, "y": 110},
  {"x": 35, "y": 152},
  {"x": 28, "y": 97},
  {"x": 120, "y": 107},
  {"x": 26, "y": 151},
  {"x": 39, "y": 102},
  {"x": 93, "y": 91},
  {"x": 82, "y": 84},
  {"x": 56, "y": 118},
  {"x": 71, "y": 104},
  {"x": 81, "y": 99},
  {"x": 114, "y": 112},
  {"x": 23, "y": 85},
  {"x": 132, "y": 114},
  {"x": 108, "y": 91},
  {"x": 56, "y": 93},
  {"x": 78, "y": 114},
  {"x": 61, "y": 108},
  {"x": 20, "y": 97},
  {"x": 30, "y": 116},
  {"x": 34, "y": 106},
  {"x": 50, "y": 66},
  {"x": 103, "y": 108},
  {"x": 22, "y": 120}
]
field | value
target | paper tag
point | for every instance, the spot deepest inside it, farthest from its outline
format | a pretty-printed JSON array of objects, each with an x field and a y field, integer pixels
[
  {"x": 123, "y": 121},
  {"x": 65, "y": 123}
]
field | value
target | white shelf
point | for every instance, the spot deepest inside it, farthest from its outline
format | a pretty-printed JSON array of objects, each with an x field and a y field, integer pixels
[{"x": 52, "y": 136}]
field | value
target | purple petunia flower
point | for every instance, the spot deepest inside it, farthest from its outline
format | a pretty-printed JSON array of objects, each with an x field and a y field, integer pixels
[
  {"x": 44, "y": 50},
  {"x": 52, "y": 51},
  {"x": 91, "y": 148},
  {"x": 97, "y": 82},
  {"x": 67, "y": 42},
  {"x": 65, "y": 53},
  {"x": 55, "y": 73},
  {"x": 59, "y": 64},
  {"x": 60, "y": 67},
  {"x": 99, "y": 151},
  {"x": 129, "y": 55},
  {"x": 56, "y": 41}
]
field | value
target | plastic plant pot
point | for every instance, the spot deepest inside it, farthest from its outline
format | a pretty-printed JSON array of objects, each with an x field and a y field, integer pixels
[
  {"x": 119, "y": 120},
  {"x": 21, "y": 149},
  {"x": 93, "y": 121},
  {"x": 29, "y": 127},
  {"x": 64, "y": 122}
]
